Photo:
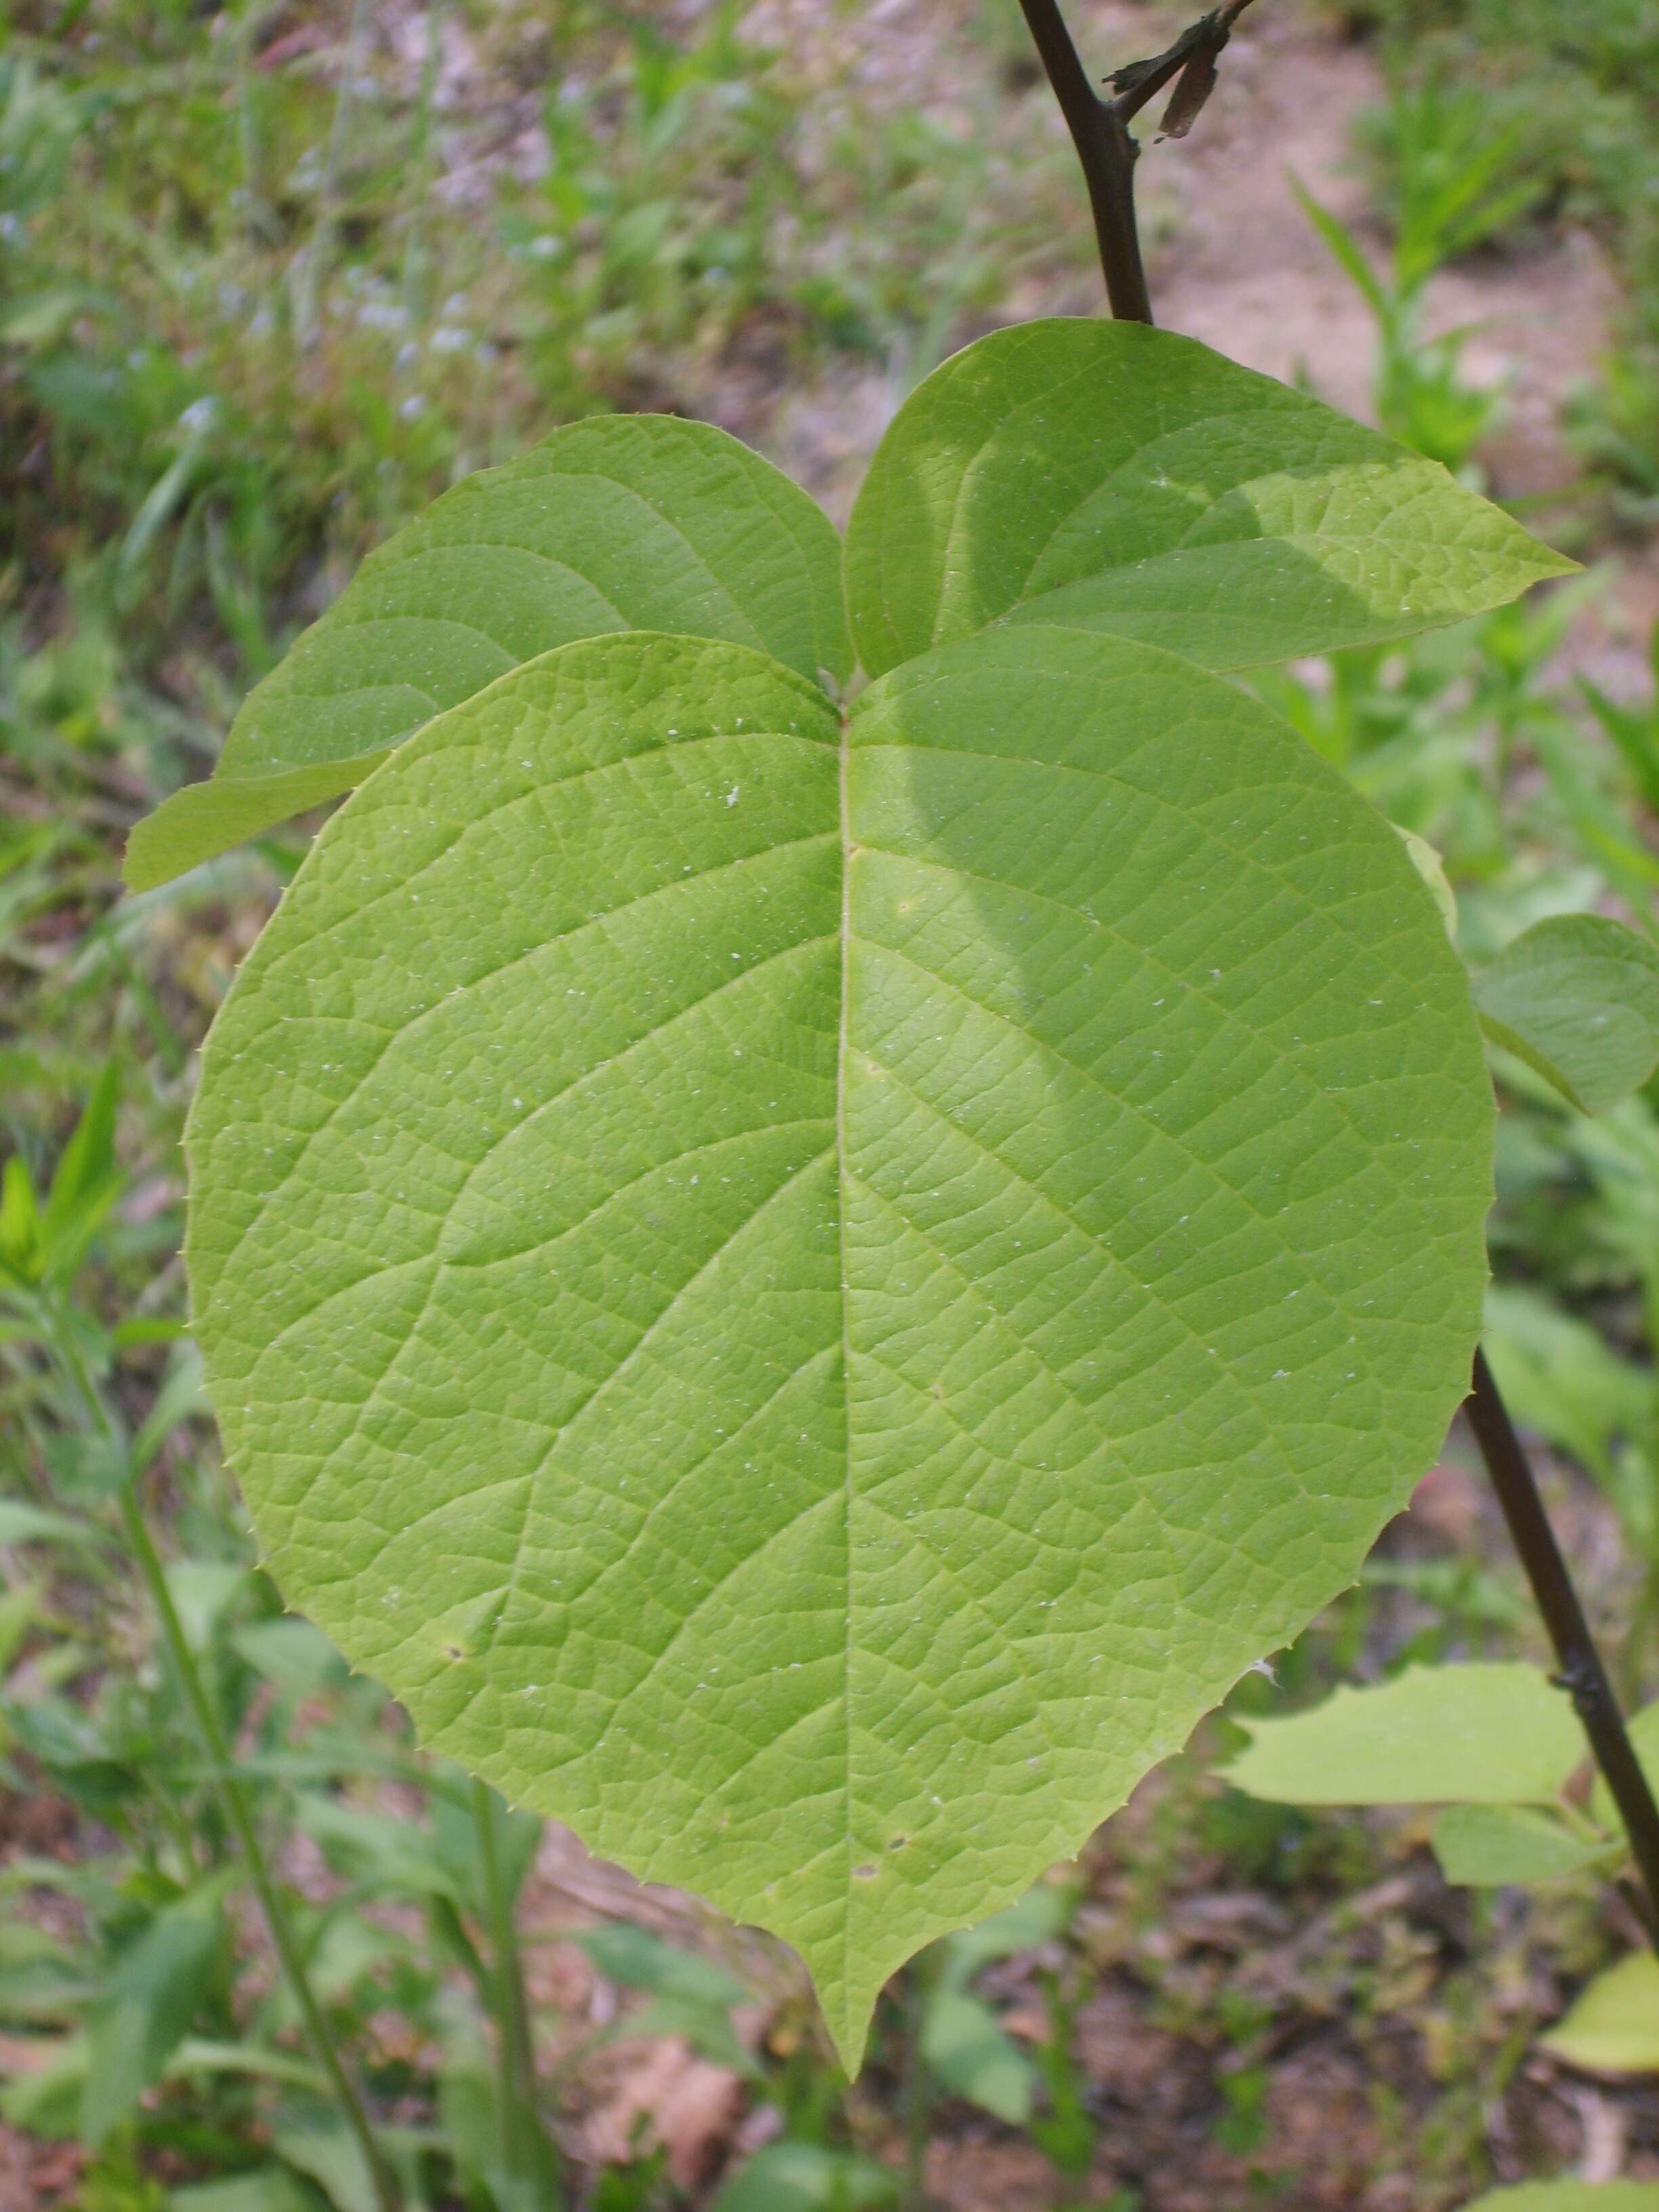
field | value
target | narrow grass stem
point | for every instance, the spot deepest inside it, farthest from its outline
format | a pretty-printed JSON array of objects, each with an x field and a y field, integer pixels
[
  {"x": 916, "y": 2088},
  {"x": 240, "y": 1814},
  {"x": 233, "y": 1794},
  {"x": 260, "y": 222},
  {"x": 314, "y": 256},
  {"x": 1583, "y": 1673},
  {"x": 530, "y": 2154},
  {"x": 1638, "y": 1636},
  {"x": 416, "y": 259}
]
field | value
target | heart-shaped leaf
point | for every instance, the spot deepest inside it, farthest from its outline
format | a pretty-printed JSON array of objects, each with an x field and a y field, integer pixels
[
  {"x": 1114, "y": 478},
  {"x": 1576, "y": 996},
  {"x": 627, "y": 522},
  {"x": 809, "y": 1294}
]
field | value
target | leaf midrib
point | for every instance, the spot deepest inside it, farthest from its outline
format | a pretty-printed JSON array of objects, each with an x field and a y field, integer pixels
[{"x": 843, "y": 762}]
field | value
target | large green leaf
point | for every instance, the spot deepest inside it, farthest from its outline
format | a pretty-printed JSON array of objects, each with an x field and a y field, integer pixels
[
  {"x": 809, "y": 1298},
  {"x": 1576, "y": 996},
  {"x": 1110, "y": 476},
  {"x": 1485, "y": 1734},
  {"x": 626, "y": 522}
]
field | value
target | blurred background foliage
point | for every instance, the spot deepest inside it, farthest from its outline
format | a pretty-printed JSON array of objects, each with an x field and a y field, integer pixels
[{"x": 274, "y": 273}]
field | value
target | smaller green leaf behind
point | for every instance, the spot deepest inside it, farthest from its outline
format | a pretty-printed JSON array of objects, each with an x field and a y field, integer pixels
[
  {"x": 967, "y": 2049},
  {"x": 1102, "y": 476},
  {"x": 1485, "y": 1734},
  {"x": 624, "y": 522},
  {"x": 962, "y": 2042},
  {"x": 1577, "y": 997},
  {"x": 1612, "y": 2027},
  {"x": 1643, "y": 1729},
  {"x": 1560, "y": 1377},
  {"x": 1484, "y": 1846},
  {"x": 146, "y": 2010},
  {"x": 1571, "y": 2197},
  {"x": 204, "y": 819},
  {"x": 803, "y": 2176},
  {"x": 1432, "y": 869}
]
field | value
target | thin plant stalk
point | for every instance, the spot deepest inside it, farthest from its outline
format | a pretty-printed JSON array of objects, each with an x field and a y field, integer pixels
[
  {"x": 313, "y": 257},
  {"x": 530, "y": 2154},
  {"x": 1582, "y": 1676},
  {"x": 232, "y": 1793},
  {"x": 1107, "y": 153},
  {"x": 917, "y": 2087},
  {"x": 416, "y": 272},
  {"x": 1106, "y": 149},
  {"x": 260, "y": 222}
]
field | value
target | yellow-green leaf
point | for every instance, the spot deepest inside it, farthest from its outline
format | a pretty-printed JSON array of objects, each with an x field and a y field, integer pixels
[
  {"x": 1110, "y": 476},
  {"x": 1613, "y": 2027},
  {"x": 624, "y": 522},
  {"x": 1485, "y": 1845},
  {"x": 810, "y": 1293}
]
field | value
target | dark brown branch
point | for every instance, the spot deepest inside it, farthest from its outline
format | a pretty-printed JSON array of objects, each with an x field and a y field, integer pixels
[
  {"x": 1583, "y": 1674},
  {"x": 1107, "y": 152},
  {"x": 1100, "y": 129}
]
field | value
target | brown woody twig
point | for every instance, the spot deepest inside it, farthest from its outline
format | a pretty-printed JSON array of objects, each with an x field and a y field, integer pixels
[
  {"x": 1100, "y": 129},
  {"x": 1582, "y": 1676}
]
